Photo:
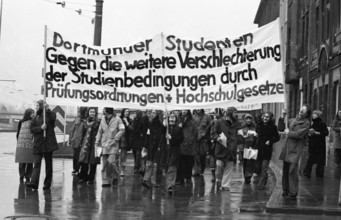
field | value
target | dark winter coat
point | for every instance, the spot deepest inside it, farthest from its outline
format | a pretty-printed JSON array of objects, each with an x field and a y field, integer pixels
[
  {"x": 177, "y": 137},
  {"x": 244, "y": 129},
  {"x": 189, "y": 146},
  {"x": 230, "y": 131},
  {"x": 49, "y": 143},
  {"x": 87, "y": 152},
  {"x": 126, "y": 139},
  {"x": 203, "y": 122},
  {"x": 295, "y": 141},
  {"x": 138, "y": 134},
  {"x": 155, "y": 141},
  {"x": 317, "y": 143},
  {"x": 266, "y": 132}
]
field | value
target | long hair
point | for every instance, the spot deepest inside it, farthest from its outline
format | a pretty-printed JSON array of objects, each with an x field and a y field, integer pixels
[
  {"x": 88, "y": 117},
  {"x": 27, "y": 114},
  {"x": 83, "y": 111},
  {"x": 122, "y": 113},
  {"x": 271, "y": 118}
]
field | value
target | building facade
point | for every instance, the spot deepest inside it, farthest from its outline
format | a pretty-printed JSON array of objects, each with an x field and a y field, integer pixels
[{"x": 311, "y": 35}]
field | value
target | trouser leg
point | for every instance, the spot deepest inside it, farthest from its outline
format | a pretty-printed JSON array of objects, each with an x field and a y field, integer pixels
[
  {"x": 83, "y": 175},
  {"x": 202, "y": 163},
  {"x": 227, "y": 174},
  {"x": 148, "y": 170},
  {"x": 219, "y": 170},
  {"x": 36, "y": 169},
  {"x": 171, "y": 176},
  {"x": 92, "y": 172},
  {"x": 308, "y": 166},
  {"x": 285, "y": 177},
  {"x": 123, "y": 158},
  {"x": 264, "y": 173},
  {"x": 28, "y": 171},
  {"x": 293, "y": 178},
  {"x": 320, "y": 170},
  {"x": 48, "y": 169},
  {"x": 22, "y": 168},
  {"x": 75, "y": 162}
]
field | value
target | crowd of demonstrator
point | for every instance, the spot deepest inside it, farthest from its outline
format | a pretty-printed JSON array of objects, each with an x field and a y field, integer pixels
[{"x": 174, "y": 145}]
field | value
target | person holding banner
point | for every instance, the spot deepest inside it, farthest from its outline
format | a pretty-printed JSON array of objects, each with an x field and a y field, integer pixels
[
  {"x": 188, "y": 148},
  {"x": 203, "y": 121},
  {"x": 267, "y": 135},
  {"x": 87, "y": 157},
  {"x": 156, "y": 135},
  {"x": 43, "y": 146},
  {"x": 108, "y": 136},
  {"x": 175, "y": 137},
  {"x": 224, "y": 133},
  {"x": 295, "y": 140},
  {"x": 247, "y": 135},
  {"x": 76, "y": 137}
]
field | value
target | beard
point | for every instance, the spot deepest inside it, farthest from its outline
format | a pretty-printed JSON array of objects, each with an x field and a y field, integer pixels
[{"x": 40, "y": 111}]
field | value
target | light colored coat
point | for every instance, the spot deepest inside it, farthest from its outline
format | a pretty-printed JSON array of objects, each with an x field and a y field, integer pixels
[{"x": 109, "y": 135}]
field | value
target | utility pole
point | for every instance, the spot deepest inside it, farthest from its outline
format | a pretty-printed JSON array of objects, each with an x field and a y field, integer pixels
[{"x": 98, "y": 22}]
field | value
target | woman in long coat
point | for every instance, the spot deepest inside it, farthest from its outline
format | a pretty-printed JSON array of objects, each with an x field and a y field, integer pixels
[
  {"x": 76, "y": 137},
  {"x": 137, "y": 140},
  {"x": 126, "y": 139},
  {"x": 337, "y": 137},
  {"x": 188, "y": 148},
  {"x": 154, "y": 143},
  {"x": 267, "y": 135},
  {"x": 87, "y": 157},
  {"x": 317, "y": 145},
  {"x": 24, "y": 150}
]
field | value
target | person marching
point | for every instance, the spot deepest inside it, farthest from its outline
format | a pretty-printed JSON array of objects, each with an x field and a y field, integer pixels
[
  {"x": 203, "y": 121},
  {"x": 337, "y": 138},
  {"x": 43, "y": 146},
  {"x": 137, "y": 141},
  {"x": 24, "y": 149},
  {"x": 108, "y": 136},
  {"x": 87, "y": 156},
  {"x": 225, "y": 150},
  {"x": 317, "y": 145},
  {"x": 155, "y": 136},
  {"x": 175, "y": 137},
  {"x": 76, "y": 138},
  {"x": 267, "y": 135},
  {"x": 291, "y": 152},
  {"x": 188, "y": 148},
  {"x": 126, "y": 139},
  {"x": 247, "y": 136}
]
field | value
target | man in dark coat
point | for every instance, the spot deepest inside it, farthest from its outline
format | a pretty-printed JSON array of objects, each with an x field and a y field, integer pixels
[
  {"x": 225, "y": 150},
  {"x": 43, "y": 146},
  {"x": 317, "y": 145}
]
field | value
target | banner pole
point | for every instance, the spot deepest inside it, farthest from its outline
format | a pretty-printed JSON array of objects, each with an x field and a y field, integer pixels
[
  {"x": 164, "y": 91},
  {"x": 45, "y": 46}
]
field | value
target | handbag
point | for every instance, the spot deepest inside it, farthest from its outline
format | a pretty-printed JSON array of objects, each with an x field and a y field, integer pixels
[{"x": 250, "y": 153}]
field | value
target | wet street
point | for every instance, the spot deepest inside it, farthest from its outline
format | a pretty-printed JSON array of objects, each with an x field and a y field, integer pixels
[{"x": 69, "y": 200}]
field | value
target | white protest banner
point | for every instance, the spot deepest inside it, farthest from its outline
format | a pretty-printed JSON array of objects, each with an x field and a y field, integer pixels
[{"x": 167, "y": 72}]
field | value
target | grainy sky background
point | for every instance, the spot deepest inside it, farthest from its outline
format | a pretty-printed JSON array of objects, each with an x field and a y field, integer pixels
[{"x": 124, "y": 22}]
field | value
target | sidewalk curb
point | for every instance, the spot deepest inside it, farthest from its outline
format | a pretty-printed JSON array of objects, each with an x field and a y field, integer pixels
[{"x": 273, "y": 205}]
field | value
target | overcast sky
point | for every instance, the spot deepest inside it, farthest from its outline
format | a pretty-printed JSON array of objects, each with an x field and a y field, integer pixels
[{"x": 124, "y": 22}]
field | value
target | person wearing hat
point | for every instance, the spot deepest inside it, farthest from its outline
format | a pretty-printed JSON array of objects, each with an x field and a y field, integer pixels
[
  {"x": 225, "y": 149},
  {"x": 108, "y": 136},
  {"x": 43, "y": 146},
  {"x": 317, "y": 145}
]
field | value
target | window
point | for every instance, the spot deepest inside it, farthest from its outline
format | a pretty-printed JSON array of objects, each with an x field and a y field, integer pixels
[{"x": 303, "y": 37}]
